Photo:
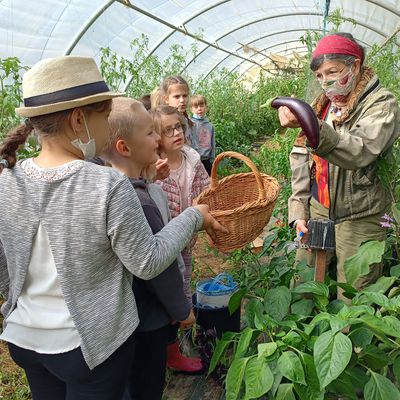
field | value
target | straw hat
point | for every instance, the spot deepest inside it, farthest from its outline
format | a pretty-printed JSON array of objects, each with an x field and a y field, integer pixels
[{"x": 62, "y": 83}]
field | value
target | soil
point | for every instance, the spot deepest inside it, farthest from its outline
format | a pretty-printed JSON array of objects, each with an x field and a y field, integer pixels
[{"x": 208, "y": 262}]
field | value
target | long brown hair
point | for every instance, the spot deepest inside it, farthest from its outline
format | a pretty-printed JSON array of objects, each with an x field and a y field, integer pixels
[
  {"x": 43, "y": 125},
  {"x": 159, "y": 111}
]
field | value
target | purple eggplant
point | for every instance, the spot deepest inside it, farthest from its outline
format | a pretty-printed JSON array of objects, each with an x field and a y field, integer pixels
[{"x": 304, "y": 113}]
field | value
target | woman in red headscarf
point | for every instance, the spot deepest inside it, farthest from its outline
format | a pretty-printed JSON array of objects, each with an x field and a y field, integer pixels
[{"x": 359, "y": 122}]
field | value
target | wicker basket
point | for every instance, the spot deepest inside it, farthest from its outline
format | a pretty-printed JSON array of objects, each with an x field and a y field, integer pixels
[{"x": 243, "y": 203}]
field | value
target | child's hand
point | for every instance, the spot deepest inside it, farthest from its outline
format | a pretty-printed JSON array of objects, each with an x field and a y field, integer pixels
[
  {"x": 210, "y": 224},
  {"x": 189, "y": 321},
  {"x": 162, "y": 169}
]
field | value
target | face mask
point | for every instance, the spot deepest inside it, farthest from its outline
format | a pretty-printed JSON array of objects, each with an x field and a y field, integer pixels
[
  {"x": 88, "y": 149},
  {"x": 340, "y": 87}
]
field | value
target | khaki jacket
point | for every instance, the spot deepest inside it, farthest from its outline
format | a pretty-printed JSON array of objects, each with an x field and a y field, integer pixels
[{"x": 366, "y": 130}]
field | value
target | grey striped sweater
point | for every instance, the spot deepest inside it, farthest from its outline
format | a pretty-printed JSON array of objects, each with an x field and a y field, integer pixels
[{"x": 98, "y": 236}]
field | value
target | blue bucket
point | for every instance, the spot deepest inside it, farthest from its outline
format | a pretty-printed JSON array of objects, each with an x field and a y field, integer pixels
[{"x": 215, "y": 292}]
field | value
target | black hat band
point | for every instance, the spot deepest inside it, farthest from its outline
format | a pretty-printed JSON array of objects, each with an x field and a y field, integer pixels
[{"x": 72, "y": 93}]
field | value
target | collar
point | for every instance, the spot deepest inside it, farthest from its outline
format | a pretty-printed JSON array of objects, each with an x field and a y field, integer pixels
[
  {"x": 138, "y": 183},
  {"x": 194, "y": 116}
]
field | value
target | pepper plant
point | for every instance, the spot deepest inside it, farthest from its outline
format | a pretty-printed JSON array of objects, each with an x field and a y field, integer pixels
[{"x": 300, "y": 345}]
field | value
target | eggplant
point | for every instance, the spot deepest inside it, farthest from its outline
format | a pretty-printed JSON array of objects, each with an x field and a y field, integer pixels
[{"x": 305, "y": 115}]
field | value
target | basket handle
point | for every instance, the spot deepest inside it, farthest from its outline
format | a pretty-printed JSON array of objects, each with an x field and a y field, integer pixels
[{"x": 247, "y": 161}]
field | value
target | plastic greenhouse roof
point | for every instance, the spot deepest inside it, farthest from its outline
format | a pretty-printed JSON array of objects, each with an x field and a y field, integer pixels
[{"x": 32, "y": 30}]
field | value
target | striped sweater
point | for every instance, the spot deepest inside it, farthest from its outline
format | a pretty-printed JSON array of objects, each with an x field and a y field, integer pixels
[{"x": 99, "y": 237}]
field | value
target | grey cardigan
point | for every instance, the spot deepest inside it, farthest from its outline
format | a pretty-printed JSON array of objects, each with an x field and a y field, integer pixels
[{"x": 98, "y": 236}]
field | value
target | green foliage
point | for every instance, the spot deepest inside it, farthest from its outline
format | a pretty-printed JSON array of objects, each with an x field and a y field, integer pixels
[
  {"x": 13, "y": 385},
  {"x": 320, "y": 355},
  {"x": 142, "y": 71},
  {"x": 380, "y": 388},
  {"x": 332, "y": 352},
  {"x": 386, "y": 63},
  {"x": 368, "y": 253},
  {"x": 336, "y": 19},
  {"x": 11, "y": 92}
]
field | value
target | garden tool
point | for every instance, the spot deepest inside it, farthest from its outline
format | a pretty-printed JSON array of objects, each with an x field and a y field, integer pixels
[
  {"x": 321, "y": 238},
  {"x": 297, "y": 243}
]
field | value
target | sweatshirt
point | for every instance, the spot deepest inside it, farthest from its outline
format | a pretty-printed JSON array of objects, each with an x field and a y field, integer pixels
[{"x": 160, "y": 299}]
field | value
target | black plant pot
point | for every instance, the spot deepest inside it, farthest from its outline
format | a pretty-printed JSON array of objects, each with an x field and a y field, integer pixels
[{"x": 217, "y": 318}]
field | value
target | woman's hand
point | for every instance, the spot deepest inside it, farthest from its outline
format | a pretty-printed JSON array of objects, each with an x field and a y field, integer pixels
[
  {"x": 188, "y": 322},
  {"x": 301, "y": 226},
  {"x": 287, "y": 118},
  {"x": 210, "y": 224}
]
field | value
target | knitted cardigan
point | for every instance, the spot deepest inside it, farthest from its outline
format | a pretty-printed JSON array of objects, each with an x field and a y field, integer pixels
[{"x": 199, "y": 180}]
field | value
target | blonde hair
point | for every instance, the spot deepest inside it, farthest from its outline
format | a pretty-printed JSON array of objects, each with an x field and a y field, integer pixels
[
  {"x": 198, "y": 99},
  {"x": 173, "y": 80},
  {"x": 122, "y": 121},
  {"x": 155, "y": 97}
]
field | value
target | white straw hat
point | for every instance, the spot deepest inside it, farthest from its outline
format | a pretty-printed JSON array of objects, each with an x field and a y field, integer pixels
[{"x": 62, "y": 83}]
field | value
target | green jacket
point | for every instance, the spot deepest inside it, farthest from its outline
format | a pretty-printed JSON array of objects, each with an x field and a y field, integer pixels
[{"x": 366, "y": 130}]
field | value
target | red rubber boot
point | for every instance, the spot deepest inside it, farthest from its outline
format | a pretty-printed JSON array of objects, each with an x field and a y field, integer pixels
[{"x": 178, "y": 362}]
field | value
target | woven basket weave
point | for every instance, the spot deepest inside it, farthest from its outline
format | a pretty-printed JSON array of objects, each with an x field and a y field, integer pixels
[{"x": 243, "y": 203}]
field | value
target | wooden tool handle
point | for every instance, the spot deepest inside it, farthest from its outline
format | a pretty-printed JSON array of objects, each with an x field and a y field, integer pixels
[{"x": 320, "y": 266}]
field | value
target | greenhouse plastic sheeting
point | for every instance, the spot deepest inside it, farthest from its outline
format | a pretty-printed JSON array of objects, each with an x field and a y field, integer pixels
[{"x": 32, "y": 30}]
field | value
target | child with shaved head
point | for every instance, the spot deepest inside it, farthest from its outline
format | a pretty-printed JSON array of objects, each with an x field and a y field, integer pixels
[{"x": 132, "y": 149}]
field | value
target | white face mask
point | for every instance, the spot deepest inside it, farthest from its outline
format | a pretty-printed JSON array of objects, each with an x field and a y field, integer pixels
[{"x": 88, "y": 149}]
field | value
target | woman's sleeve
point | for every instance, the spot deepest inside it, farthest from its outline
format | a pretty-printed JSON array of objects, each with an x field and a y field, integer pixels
[
  {"x": 142, "y": 253},
  {"x": 4, "y": 278},
  {"x": 373, "y": 133},
  {"x": 298, "y": 203}
]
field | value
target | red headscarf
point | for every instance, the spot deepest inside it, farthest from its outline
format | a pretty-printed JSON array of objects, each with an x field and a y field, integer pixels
[{"x": 336, "y": 44}]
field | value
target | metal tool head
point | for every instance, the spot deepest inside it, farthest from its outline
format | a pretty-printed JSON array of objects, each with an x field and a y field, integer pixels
[{"x": 298, "y": 243}]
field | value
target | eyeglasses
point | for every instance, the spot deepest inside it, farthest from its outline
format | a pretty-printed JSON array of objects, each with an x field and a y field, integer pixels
[{"x": 170, "y": 130}]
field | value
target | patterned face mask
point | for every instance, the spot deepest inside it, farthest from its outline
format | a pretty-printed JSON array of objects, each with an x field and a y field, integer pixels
[{"x": 339, "y": 87}]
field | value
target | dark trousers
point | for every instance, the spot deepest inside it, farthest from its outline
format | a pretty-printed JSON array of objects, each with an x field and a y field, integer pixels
[
  {"x": 147, "y": 376},
  {"x": 173, "y": 333},
  {"x": 66, "y": 376},
  {"x": 207, "y": 165}
]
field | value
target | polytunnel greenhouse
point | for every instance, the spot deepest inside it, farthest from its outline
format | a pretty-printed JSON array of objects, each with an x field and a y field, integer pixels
[{"x": 200, "y": 199}]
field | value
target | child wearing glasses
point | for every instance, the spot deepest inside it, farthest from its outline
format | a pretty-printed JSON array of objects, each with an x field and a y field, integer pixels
[{"x": 187, "y": 179}]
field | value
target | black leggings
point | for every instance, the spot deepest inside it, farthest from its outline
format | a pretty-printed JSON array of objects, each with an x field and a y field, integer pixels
[
  {"x": 147, "y": 376},
  {"x": 66, "y": 376}
]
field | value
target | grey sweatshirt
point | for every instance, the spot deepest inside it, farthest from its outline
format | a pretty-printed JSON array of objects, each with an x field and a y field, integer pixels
[
  {"x": 99, "y": 237},
  {"x": 203, "y": 138},
  {"x": 161, "y": 299}
]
